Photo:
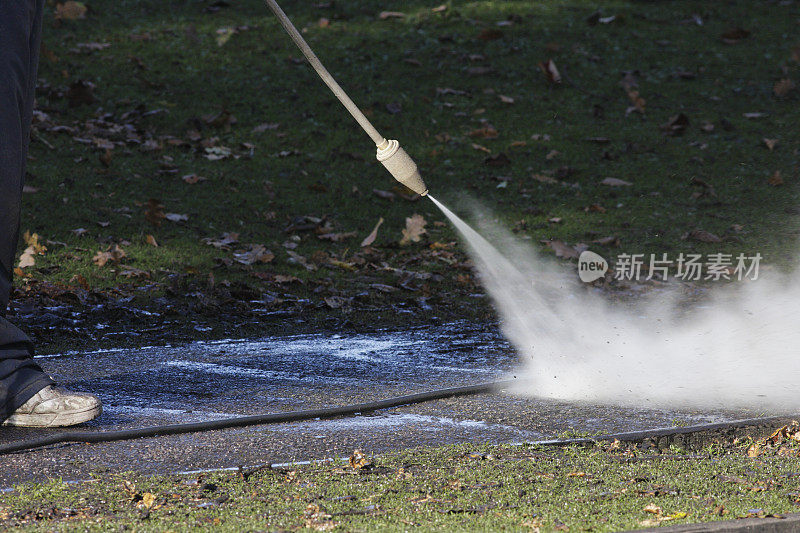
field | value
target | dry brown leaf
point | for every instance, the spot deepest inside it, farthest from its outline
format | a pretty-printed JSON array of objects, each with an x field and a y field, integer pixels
[
  {"x": 550, "y": 71},
  {"x": 113, "y": 254},
  {"x": 734, "y": 35},
  {"x": 369, "y": 239},
  {"x": 776, "y": 179},
  {"x": 653, "y": 508},
  {"x": 154, "y": 212},
  {"x": 562, "y": 249},
  {"x": 703, "y": 236},
  {"x": 383, "y": 15},
  {"x": 676, "y": 124},
  {"x": 415, "y": 228},
  {"x": 770, "y": 143},
  {"x": 616, "y": 182},
  {"x": 505, "y": 99},
  {"x": 544, "y": 179},
  {"x": 358, "y": 460},
  {"x": 337, "y": 237},
  {"x": 34, "y": 248},
  {"x": 480, "y": 147},
  {"x": 486, "y": 132},
  {"x": 26, "y": 259},
  {"x": 386, "y": 195},
  {"x": 223, "y": 242},
  {"x": 281, "y": 279},
  {"x": 191, "y": 179},
  {"x": 130, "y": 272},
  {"x": 257, "y": 253},
  {"x": 70, "y": 10},
  {"x": 152, "y": 241},
  {"x": 783, "y": 87},
  {"x": 754, "y": 450}
]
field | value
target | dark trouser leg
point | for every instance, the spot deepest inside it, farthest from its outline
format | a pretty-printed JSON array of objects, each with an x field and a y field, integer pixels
[{"x": 20, "y": 34}]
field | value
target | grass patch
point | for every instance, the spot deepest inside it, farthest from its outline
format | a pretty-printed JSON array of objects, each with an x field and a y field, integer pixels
[
  {"x": 165, "y": 96},
  {"x": 453, "y": 488}
]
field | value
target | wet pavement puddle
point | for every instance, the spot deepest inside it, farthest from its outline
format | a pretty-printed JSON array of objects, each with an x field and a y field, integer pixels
[{"x": 212, "y": 380}]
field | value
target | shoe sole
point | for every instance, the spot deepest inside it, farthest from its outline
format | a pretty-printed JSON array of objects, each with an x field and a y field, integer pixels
[{"x": 39, "y": 420}]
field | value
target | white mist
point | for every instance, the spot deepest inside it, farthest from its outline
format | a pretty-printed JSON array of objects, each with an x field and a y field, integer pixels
[{"x": 739, "y": 350}]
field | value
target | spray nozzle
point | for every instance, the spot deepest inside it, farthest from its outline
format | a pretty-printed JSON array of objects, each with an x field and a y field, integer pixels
[{"x": 401, "y": 166}]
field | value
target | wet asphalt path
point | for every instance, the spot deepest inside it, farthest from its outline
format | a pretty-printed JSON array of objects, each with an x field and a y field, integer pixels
[{"x": 211, "y": 380}]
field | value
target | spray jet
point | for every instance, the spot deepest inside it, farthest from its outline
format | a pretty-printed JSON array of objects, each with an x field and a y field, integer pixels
[{"x": 390, "y": 153}]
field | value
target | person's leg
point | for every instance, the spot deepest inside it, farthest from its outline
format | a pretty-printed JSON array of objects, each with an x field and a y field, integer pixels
[{"x": 20, "y": 33}]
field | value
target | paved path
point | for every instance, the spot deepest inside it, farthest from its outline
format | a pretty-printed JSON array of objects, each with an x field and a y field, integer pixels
[{"x": 203, "y": 381}]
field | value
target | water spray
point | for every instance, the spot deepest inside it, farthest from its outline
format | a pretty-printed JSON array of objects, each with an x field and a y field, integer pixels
[{"x": 390, "y": 153}]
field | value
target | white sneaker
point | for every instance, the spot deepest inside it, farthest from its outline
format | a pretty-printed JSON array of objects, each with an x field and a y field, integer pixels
[{"x": 53, "y": 406}]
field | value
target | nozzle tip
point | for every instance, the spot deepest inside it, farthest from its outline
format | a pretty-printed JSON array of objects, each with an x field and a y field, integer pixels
[{"x": 402, "y": 167}]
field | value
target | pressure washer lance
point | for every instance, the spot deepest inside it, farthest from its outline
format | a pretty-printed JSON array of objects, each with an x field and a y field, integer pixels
[{"x": 390, "y": 153}]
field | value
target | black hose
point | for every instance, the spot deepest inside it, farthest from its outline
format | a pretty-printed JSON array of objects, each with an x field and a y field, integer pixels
[{"x": 271, "y": 418}]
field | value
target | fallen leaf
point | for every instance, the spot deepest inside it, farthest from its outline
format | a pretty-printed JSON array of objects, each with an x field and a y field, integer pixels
[
  {"x": 783, "y": 87},
  {"x": 154, "y": 212},
  {"x": 544, "y": 179},
  {"x": 81, "y": 92},
  {"x": 113, "y": 254},
  {"x": 755, "y": 114},
  {"x": 653, "y": 508},
  {"x": 383, "y": 15},
  {"x": 615, "y": 182},
  {"x": 486, "y": 132},
  {"x": 358, "y": 460},
  {"x": 27, "y": 189},
  {"x": 776, "y": 179},
  {"x": 337, "y": 237},
  {"x": 386, "y": 195},
  {"x": 611, "y": 240},
  {"x": 754, "y": 450},
  {"x": 151, "y": 241},
  {"x": 490, "y": 34},
  {"x": 70, "y": 11},
  {"x": 676, "y": 124},
  {"x": 130, "y": 272},
  {"x": 480, "y": 147},
  {"x": 550, "y": 71},
  {"x": 26, "y": 259},
  {"x": 415, "y": 228},
  {"x": 505, "y": 99},
  {"x": 369, "y": 239},
  {"x": 175, "y": 217},
  {"x": 497, "y": 160},
  {"x": 192, "y": 178},
  {"x": 563, "y": 250},
  {"x": 264, "y": 127},
  {"x": 256, "y": 254},
  {"x": 281, "y": 279},
  {"x": 552, "y": 155},
  {"x": 770, "y": 143},
  {"x": 734, "y": 35},
  {"x": 223, "y": 242},
  {"x": 703, "y": 236},
  {"x": 336, "y": 302}
]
